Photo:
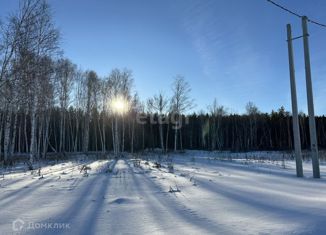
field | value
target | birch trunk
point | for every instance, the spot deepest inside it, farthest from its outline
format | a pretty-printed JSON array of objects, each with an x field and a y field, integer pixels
[
  {"x": 181, "y": 148},
  {"x": 7, "y": 130},
  {"x": 167, "y": 138},
  {"x": 116, "y": 138},
  {"x": 103, "y": 134},
  {"x": 25, "y": 132},
  {"x": 62, "y": 131},
  {"x": 33, "y": 130},
  {"x": 13, "y": 138},
  {"x": 76, "y": 133},
  {"x": 40, "y": 129},
  {"x": 123, "y": 135},
  {"x": 143, "y": 135},
  {"x": 86, "y": 134},
  {"x": 113, "y": 136},
  {"x": 175, "y": 138},
  {"x": 19, "y": 145},
  {"x": 1, "y": 129},
  {"x": 161, "y": 136},
  {"x": 46, "y": 135},
  {"x": 132, "y": 135}
]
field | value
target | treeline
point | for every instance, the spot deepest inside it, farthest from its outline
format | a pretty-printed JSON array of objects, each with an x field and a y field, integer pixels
[
  {"x": 258, "y": 131},
  {"x": 48, "y": 104},
  {"x": 249, "y": 132}
]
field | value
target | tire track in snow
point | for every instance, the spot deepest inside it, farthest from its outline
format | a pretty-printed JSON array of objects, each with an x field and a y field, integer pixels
[
  {"x": 28, "y": 191},
  {"x": 175, "y": 209},
  {"x": 83, "y": 211}
]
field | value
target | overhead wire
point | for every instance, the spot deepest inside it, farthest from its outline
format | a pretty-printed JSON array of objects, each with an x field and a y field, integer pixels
[{"x": 296, "y": 14}]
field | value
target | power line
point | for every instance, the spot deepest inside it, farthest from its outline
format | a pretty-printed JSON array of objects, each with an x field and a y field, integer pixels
[
  {"x": 294, "y": 13},
  {"x": 285, "y": 9},
  {"x": 314, "y": 22}
]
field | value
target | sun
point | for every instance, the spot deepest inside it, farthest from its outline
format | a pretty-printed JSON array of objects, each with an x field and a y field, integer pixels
[{"x": 119, "y": 105}]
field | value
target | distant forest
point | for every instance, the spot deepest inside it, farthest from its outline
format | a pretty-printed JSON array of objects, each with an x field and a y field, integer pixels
[
  {"x": 231, "y": 132},
  {"x": 48, "y": 104}
]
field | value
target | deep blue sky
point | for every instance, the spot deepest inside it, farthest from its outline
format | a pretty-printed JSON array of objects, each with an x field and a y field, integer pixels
[{"x": 233, "y": 50}]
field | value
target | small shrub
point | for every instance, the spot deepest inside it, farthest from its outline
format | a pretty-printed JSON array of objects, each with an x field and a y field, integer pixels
[
  {"x": 136, "y": 163},
  {"x": 170, "y": 168},
  {"x": 157, "y": 165},
  {"x": 85, "y": 170},
  {"x": 174, "y": 190},
  {"x": 29, "y": 166},
  {"x": 192, "y": 179}
]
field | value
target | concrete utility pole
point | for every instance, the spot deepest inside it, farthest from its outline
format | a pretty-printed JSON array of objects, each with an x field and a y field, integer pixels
[
  {"x": 295, "y": 119},
  {"x": 312, "y": 124}
]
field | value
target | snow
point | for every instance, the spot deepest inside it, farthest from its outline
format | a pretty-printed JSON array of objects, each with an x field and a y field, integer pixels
[{"x": 210, "y": 195}]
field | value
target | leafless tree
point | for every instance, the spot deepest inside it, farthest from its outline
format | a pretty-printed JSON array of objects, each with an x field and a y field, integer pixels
[
  {"x": 135, "y": 109},
  {"x": 29, "y": 37},
  {"x": 217, "y": 112},
  {"x": 90, "y": 89},
  {"x": 65, "y": 74},
  {"x": 79, "y": 104},
  {"x": 159, "y": 104},
  {"x": 252, "y": 111},
  {"x": 180, "y": 103},
  {"x": 119, "y": 86}
]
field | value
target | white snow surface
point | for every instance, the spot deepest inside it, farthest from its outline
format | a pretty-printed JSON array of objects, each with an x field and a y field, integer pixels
[{"x": 203, "y": 195}]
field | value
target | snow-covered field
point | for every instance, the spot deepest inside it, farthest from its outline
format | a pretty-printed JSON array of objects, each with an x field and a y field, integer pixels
[{"x": 200, "y": 195}]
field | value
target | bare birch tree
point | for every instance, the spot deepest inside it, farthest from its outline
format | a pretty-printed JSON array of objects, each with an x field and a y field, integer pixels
[
  {"x": 65, "y": 74},
  {"x": 180, "y": 103},
  {"x": 159, "y": 104}
]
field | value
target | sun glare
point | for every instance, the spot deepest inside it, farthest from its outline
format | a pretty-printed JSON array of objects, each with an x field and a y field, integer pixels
[{"x": 119, "y": 105}]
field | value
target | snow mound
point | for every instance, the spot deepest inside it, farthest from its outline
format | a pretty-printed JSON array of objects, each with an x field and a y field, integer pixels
[{"x": 122, "y": 200}]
